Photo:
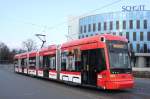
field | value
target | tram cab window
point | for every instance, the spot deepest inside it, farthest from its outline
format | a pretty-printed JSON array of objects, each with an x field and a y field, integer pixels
[{"x": 32, "y": 62}]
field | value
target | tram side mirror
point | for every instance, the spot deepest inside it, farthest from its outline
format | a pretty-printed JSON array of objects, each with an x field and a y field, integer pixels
[
  {"x": 102, "y": 39},
  {"x": 132, "y": 58},
  {"x": 131, "y": 53}
]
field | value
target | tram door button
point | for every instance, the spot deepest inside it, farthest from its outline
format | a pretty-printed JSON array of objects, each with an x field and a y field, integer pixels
[{"x": 87, "y": 67}]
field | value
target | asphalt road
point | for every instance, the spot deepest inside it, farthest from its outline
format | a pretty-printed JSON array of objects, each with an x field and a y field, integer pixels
[{"x": 15, "y": 86}]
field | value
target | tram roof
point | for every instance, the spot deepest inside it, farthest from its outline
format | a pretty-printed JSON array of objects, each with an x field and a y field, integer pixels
[
  {"x": 48, "y": 50},
  {"x": 93, "y": 39}
]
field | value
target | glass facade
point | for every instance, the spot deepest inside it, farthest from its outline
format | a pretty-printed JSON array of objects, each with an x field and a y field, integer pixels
[{"x": 135, "y": 26}]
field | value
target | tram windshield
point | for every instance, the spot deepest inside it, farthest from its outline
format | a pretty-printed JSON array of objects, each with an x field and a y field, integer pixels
[{"x": 118, "y": 56}]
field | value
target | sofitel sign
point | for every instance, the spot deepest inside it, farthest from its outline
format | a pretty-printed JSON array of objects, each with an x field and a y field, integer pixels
[{"x": 133, "y": 8}]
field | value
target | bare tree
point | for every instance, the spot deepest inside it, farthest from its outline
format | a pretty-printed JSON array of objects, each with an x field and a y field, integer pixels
[
  {"x": 7, "y": 54},
  {"x": 29, "y": 45},
  {"x": 4, "y": 52}
]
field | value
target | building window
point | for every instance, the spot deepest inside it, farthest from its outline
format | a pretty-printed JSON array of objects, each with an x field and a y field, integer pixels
[
  {"x": 134, "y": 36},
  {"x": 138, "y": 24},
  {"x": 86, "y": 35},
  {"x": 82, "y": 36},
  {"x": 138, "y": 47},
  {"x": 124, "y": 24},
  {"x": 111, "y": 25},
  {"x": 84, "y": 28},
  {"x": 145, "y": 48},
  {"x": 148, "y": 36},
  {"x": 89, "y": 28},
  {"x": 94, "y": 27},
  {"x": 105, "y": 25},
  {"x": 141, "y": 49},
  {"x": 114, "y": 33},
  {"x": 117, "y": 25},
  {"x": 81, "y": 29},
  {"x": 120, "y": 33},
  {"x": 141, "y": 36},
  {"x": 131, "y": 24},
  {"x": 79, "y": 37},
  {"x": 127, "y": 35},
  {"x": 147, "y": 61},
  {"x": 91, "y": 34},
  {"x": 131, "y": 46},
  {"x": 99, "y": 26},
  {"x": 145, "y": 24},
  {"x": 148, "y": 49}
]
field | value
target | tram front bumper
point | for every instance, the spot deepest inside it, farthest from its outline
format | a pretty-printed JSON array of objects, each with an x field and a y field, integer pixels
[{"x": 119, "y": 84}]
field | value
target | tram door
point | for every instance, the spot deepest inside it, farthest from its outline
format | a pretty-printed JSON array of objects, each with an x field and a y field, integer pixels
[
  {"x": 46, "y": 72},
  {"x": 23, "y": 64},
  {"x": 46, "y": 64},
  {"x": 89, "y": 62}
]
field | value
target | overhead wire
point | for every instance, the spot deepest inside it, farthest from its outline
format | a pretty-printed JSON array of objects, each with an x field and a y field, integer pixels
[{"x": 63, "y": 23}]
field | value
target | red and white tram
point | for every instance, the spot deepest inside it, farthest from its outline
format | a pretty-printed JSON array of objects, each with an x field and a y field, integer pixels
[{"x": 100, "y": 61}]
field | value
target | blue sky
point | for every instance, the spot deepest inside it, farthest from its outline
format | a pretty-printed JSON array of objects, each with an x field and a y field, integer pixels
[{"x": 22, "y": 19}]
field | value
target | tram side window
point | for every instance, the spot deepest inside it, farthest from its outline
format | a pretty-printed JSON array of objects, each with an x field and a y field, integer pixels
[
  {"x": 46, "y": 61},
  {"x": 16, "y": 63},
  {"x": 53, "y": 62},
  {"x": 77, "y": 60},
  {"x": 63, "y": 61},
  {"x": 40, "y": 61},
  {"x": 95, "y": 58},
  {"x": 32, "y": 62},
  {"x": 74, "y": 60},
  {"x": 23, "y": 62},
  {"x": 70, "y": 62}
]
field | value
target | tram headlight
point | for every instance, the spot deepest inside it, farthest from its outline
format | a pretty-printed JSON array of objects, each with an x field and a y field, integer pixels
[
  {"x": 102, "y": 39},
  {"x": 112, "y": 76},
  {"x": 99, "y": 76}
]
